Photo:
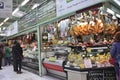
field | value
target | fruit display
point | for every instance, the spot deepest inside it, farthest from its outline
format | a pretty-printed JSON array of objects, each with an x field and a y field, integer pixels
[
  {"x": 75, "y": 60},
  {"x": 89, "y": 59},
  {"x": 52, "y": 59}
]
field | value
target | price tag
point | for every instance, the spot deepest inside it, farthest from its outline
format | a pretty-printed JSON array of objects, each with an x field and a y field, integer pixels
[{"x": 88, "y": 63}]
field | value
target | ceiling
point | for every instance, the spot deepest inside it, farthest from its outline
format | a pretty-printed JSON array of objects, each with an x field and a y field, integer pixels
[{"x": 24, "y": 9}]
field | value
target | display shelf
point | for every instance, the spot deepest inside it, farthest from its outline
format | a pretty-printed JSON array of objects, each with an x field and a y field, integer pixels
[
  {"x": 31, "y": 65},
  {"x": 103, "y": 73},
  {"x": 53, "y": 61},
  {"x": 86, "y": 69},
  {"x": 32, "y": 60},
  {"x": 98, "y": 53}
]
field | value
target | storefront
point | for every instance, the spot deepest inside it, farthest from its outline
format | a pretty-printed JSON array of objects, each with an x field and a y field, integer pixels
[{"x": 78, "y": 44}]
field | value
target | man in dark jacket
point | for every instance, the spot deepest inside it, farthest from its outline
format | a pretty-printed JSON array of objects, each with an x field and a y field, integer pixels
[
  {"x": 1, "y": 55},
  {"x": 17, "y": 57},
  {"x": 13, "y": 55}
]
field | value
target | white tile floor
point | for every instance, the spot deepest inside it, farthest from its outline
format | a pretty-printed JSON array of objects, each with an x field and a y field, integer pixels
[{"x": 7, "y": 73}]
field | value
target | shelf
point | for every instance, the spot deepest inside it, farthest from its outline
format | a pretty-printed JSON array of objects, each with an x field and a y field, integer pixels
[{"x": 87, "y": 69}]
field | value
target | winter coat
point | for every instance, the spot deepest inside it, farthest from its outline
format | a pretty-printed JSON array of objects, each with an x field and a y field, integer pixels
[
  {"x": 7, "y": 52},
  {"x": 115, "y": 51},
  {"x": 17, "y": 52},
  {"x": 1, "y": 52}
]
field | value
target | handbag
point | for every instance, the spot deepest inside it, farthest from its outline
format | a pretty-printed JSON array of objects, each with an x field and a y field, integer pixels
[{"x": 112, "y": 60}]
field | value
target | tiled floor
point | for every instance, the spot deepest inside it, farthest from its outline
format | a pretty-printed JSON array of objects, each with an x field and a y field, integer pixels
[{"x": 7, "y": 73}]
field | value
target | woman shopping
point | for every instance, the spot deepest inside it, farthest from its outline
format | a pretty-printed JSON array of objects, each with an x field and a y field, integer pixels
[
  {"x": 115, "y": 52},
  {"x": 8, "y": 55}
]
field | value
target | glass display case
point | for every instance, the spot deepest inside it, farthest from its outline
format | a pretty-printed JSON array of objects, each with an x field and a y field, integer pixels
[
  {"x": 30, "y": 61},
  {"x": 93, "y": 63},
  {"x": 55, "y": 60}
]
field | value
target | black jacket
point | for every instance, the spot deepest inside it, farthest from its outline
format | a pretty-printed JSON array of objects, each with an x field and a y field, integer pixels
[{"x": 17, "y": 52}]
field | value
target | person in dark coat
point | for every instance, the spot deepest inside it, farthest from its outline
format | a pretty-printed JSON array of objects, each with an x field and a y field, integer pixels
[
  {"x": 17, "y": 57},
  {"x": 1, "y": 55},
  {"x": 13, "y": 56},
  {"x": 115, "y": 52}
]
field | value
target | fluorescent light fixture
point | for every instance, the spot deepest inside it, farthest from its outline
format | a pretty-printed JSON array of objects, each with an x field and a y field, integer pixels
[
  {"x": 117, "y": 1},
  {"x": 110, "y": 11},
  {"x": 6, "y": 19},
  {"x": 0, "y": 29},
  {"x": 2, "y": 34},
  {"x": 35, "y": 6},
  {"x": 24, "y": 2},
  {"x": 19, "y": 14},
  {"x": 1, "y": 23},
  {"x": 118, "y": 15},
  {"x": 17, "y": 9}
]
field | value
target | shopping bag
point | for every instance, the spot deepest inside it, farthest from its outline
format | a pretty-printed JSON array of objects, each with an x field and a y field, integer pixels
[{"x": 112, "y": 61}]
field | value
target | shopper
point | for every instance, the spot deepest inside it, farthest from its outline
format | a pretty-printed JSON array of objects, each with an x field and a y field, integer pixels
[
  {"x": 13, "y": 56},
  {"x": 17, "y": 57},
  {"x": 1, "y": 55},
  {"x": 115, "y": 52},
  {"x": 7, "y": 55}
]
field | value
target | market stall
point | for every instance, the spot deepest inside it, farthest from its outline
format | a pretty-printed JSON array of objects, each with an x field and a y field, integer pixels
[
  {"x": 73, "y": 39},
  {"x": 86, "y": 36}
]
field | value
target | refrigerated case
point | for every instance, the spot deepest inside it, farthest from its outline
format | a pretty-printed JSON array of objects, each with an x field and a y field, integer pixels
[
  {"x": 30, "y": 61},
  {"x": 96, "y": 67},
  {"x": 55, "y": 60}
]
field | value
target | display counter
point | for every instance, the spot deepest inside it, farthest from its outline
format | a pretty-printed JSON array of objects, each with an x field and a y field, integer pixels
[
  {"x": 54, "y": 68},
  {"x": 30, "y": 61},
  {"x": 72, "y": 74},
  {"x": 54, "y": 61},
  {"x": 57, "y": 65},
  {"x": 102, "y": 73}
]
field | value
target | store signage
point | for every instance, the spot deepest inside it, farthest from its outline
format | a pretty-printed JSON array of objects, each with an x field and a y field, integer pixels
[
  {"x": 12, "y": 29},
  {"x": 28, "y": 20},
  {"x": 46, "y": 12},
  {"x": 5, "y": 8},
  {"x": 67, "y": 6}
]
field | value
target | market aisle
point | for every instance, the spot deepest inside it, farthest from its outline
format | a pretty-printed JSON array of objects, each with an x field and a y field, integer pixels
[{"x": 7, "y": 73}]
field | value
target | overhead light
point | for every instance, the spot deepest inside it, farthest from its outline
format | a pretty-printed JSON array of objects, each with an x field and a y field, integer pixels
[
  {"x": 19, "y": 14},
  {"x": 6, "y": 19},
  {"x": 0, "y": 29},
  {"x": 118, "y": 15},
  {"x": 2, "y": 34},
  {"x": 1, "y": 23},
  {"x": 117, "y": 1},
  {"x": 17, "y": 9},
  {"x": 110, "y": 11},
  {"x": 35, "y": 6},
  {"x": 24, "y": 2}
]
